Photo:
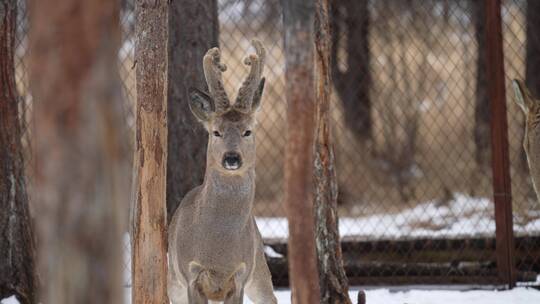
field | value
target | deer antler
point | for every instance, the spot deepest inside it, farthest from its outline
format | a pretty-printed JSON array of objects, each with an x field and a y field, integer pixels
[
  {"x": 212, "y": 72},
  {"x": 250, "y": 84}
]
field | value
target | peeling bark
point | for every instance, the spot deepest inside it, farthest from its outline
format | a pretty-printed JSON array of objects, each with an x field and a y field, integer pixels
[
  {"x": 193, "y": 29},
  {"x": 81, "y": 169},
  {"x": 149, "y": 231},
  {"x": 17, "y": 273},
  {"x": 298, "y": 19},
  {"x": 332, "y": 279}
]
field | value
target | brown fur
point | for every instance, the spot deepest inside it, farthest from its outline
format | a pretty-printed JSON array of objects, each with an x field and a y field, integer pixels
[{"x": 215, "y": 291}]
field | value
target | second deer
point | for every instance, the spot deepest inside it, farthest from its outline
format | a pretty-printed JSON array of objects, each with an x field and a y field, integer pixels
[{"x": 531, "y": 140}]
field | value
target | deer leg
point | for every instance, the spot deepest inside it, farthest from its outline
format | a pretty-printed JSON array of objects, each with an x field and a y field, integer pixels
[
  {"x": 235, "y": 298},
  {"x": 259, "y": 287},
  {"x": 195, "y": 297},
  {"x": 176, "y": 291}
]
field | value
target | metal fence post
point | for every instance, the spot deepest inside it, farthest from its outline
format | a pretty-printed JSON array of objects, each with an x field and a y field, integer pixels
[{"x": 499, "y": 144}]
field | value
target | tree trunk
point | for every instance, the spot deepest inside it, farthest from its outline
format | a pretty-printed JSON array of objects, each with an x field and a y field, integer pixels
[
  {"x": 193, "y": 29},
  {"x": 481, "y": 106},
  {"x": 81, "y": 171},
  {"x": 17, "y": 273},
  {"x": 298, "y": 20},
  {"x": 332, "y": 279},
  {"x": 149, "y": 232},
  {"x": 351, "y": 20}
]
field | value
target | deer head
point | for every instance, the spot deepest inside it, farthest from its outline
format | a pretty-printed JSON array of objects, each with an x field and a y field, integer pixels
[{"x": 231, "y": 144}]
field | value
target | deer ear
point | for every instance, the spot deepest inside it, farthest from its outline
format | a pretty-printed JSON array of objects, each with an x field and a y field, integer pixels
[
  {"x": 523, "y": 96},
  {"x": 258, "y": 96},
  {"x": 201, "y": 104}
]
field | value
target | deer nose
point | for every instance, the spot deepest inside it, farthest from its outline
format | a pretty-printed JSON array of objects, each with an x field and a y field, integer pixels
[{"x": 232, "y": 161}]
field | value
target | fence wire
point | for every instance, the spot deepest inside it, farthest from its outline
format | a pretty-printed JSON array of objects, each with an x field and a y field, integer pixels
[{"x": 411, "y": 126}]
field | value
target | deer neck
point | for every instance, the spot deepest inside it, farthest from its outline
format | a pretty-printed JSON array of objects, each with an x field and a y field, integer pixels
[{"x": 228, "y": 196}]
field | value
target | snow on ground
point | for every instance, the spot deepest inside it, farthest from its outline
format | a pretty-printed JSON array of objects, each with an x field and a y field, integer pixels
[
  {"x": 384, "y": 296},
  {"x": 463, "y": 216},
  {"x": 519, "y": 295},
  {"x": 10, "y": 300},
  {"x": 515, "y": 296},
  {"x": 271, "y": 253}
]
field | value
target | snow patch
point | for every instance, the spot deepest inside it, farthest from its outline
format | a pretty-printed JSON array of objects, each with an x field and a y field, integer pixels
[
  {"x": 385, "y": 296},
  {"x": 10, "y": 300},
  {"x": 464, "y": 216},
  {"x": 518, "y": 295},
  {"x": 271, "y": 253},
  {"x": 515, "y": 296}
]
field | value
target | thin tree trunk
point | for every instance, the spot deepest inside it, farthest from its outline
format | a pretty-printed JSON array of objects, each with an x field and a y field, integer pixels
[
  {"x": 332, "y": 279},
  {"x": 17, "y": 252},
  {"x": 149, "y": 232},
  {"x": 193, "y": 29},
  {"x": 352, "y": 85},
  {"x": 481, "y": 106},
  {"x": 81, "y": 171},
  {"x": 298, "y": 19}
]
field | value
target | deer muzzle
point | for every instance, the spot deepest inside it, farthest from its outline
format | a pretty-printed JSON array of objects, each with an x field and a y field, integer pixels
[{"x": 232, "y": 161}]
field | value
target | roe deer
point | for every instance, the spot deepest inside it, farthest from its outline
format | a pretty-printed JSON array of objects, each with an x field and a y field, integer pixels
[
  {"x": 531, "y": 140},
  {"x": 215, "y": 248}
]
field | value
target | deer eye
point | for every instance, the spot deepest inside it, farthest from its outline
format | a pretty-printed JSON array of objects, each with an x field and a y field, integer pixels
[
  {"x": 247, "y": 133},
  {"x": 217, "y": 134}
]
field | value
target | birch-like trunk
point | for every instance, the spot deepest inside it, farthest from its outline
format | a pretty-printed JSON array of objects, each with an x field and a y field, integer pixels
[{"x": 149, "y": 231}]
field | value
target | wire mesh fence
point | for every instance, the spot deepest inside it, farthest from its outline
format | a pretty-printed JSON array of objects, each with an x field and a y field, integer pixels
[{"x": 411, "y": 126}]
